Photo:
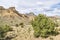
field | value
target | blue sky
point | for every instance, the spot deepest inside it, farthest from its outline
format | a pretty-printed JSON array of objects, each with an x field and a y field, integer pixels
[{"x": 48, "y": 7}]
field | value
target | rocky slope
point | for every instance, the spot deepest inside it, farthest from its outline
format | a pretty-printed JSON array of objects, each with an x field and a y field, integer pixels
[{"x": 11, "y": 17}]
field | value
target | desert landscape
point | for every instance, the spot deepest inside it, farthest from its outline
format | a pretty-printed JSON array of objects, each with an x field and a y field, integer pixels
[{"x": 21, "y": 25}]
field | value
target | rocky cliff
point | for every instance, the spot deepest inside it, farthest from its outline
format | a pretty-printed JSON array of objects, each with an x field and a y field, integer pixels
[{"x": 11, "y": 16}]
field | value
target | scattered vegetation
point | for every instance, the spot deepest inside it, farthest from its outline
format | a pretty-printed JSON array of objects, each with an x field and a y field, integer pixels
[
  {"x": 43, "y": 26},
  {"x": 3, "y": 30},
  {"x": 21, "y": 24}
]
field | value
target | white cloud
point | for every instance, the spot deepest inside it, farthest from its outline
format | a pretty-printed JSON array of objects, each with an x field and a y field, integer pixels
[
  {"x": 39, "y": 3},
  {"x": 37, "y": 6}
]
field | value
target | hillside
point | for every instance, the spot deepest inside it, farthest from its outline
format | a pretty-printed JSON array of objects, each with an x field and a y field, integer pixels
[
  {"x": 56, "y": 19},
  {"x": 11, "y": 17},
  {"x": 14, "y": 19}
]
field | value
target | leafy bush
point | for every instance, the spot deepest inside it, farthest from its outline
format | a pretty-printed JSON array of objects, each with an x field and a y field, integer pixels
[
  {"x": 21, "y": 24},
  {"x": 43, "y": 26},
  {"x": 3, "y": 30}
]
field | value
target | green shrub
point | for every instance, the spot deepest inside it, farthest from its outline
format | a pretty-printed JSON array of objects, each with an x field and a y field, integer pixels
[
  {"x": 43, "y": 26},
  {"x": 21, "y": 24},
  {"x": 3, "y": 30}
]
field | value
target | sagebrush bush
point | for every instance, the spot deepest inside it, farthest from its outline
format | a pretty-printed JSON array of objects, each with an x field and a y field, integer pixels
[{"x": 43, "y": 26}]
